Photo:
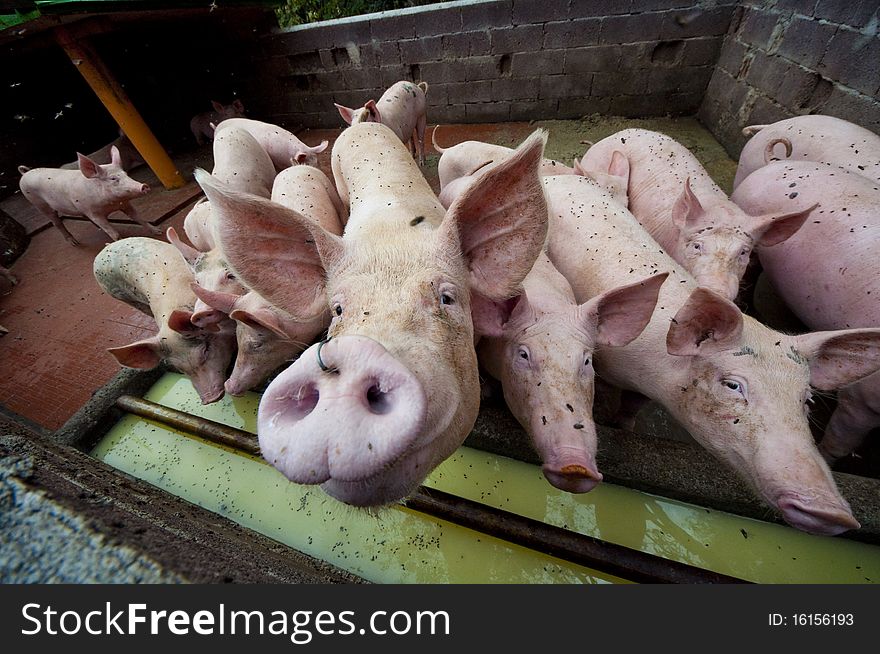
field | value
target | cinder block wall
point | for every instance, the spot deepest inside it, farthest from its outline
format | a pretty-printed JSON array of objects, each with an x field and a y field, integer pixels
[
  {"x": 498, "y": 60},
  {"x": 783, "y": 58}
]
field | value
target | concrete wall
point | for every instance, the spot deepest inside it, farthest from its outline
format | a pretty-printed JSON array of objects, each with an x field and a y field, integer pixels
[
  {"x": 783, "y": 58},
  {"x": 498, "y": 60}
]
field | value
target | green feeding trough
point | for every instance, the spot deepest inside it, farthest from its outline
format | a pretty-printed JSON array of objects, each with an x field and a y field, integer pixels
[{"x": 402, "y": 544}]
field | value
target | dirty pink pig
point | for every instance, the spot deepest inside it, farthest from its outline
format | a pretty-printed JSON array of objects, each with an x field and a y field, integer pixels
[
  {"x": 94, "y": 191},
  {"x": 148, "y": 275},
  {"x": 685, "y": 211},
  {"x": 402, "y": 108},
  {"x": 282, "y": 146},
  {"x": 394, "y": 389},
  {"x": 741, "y": 390}
]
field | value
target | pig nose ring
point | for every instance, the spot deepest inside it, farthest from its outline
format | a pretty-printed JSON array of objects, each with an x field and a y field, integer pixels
[{"x": 321, "y": 363}]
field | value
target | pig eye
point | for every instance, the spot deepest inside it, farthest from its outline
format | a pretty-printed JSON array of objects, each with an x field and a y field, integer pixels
[
  {"x": 587, "y": 361},
  {"x": 523, "y": 353},
  {"x": 744, "y": 252},
  {"x": 446, "y": 298},
  {"x": 733, "y": 385},
  {"x": 697, "y": 247},
  {"x": 337, "y": 309}
]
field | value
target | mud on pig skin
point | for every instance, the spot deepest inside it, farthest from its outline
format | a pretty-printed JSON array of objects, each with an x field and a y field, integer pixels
[
  {"x": 369, "y": 413},
  {"x": 829, "y": 272},
  {"x": 148, "y": 275},
  {"x": 826, "y": 139},
  {"x": 544, "y": 360},
  {"x": 675, "y": 199},
  {"x": 740, "y": 388},
  {"x": 94, "y": 191}
]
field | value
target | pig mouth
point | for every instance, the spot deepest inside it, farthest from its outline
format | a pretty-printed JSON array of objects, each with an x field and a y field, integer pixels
[{"x": 818, "y": 517}]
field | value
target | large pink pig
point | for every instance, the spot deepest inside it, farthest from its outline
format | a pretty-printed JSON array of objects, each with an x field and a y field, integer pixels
[
  {"x": 829, "y": 272},
  {"x": 740, "y": 388},
  {"x": 402, "y": 108},
  {"x": 826, "y": 139},
  {"x": 148, "y": 275},
  {"x": 673, "y": 197},
  {"x": 94, "y": 191},
  {"x": 283, "y": 147},
  {"x": 544, "y": 360},
  {"x": 242, "y": 162},
  {"x": 394, "y": 390}
]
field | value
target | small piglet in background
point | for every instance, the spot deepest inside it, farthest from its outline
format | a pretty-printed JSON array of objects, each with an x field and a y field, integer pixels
[
  {"x": 148, "y": 275},
  {"x": 283, "y": 147},
  {"x": 200, "y": 124},
  {"x": 402, "y": 108},
  {"x": 128, "y": 154},
  {"x": 94, "y": 191}
]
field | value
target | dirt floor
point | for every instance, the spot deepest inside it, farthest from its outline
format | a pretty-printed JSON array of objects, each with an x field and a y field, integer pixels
[{"x": 60, "y": 323}]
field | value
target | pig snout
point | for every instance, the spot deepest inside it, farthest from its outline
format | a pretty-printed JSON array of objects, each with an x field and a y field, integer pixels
[
  {"x": 823, "y": 517},
  {"x": 567, "y": 448},
  {"x": 144, "y": 189},
  {"x": 208, "y": 384},
  {"x": 345, "y": 410}
]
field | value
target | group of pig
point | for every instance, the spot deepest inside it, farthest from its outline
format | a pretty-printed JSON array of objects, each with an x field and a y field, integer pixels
[{"x": 625, "y": 265}]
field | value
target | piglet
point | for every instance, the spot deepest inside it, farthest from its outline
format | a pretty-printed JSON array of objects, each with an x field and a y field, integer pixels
[
  {"x": 832, "y": 141},
  {"x": 675, "y": 199},
  {"x": 402, "y": 108},
  {"x": 148, "y": 275},
  {"x": 200, "y": 124},
  {"x": 283, "y": 147},
  {"x": 544, "y": 360},
  {"x": 94, "y": 191}
]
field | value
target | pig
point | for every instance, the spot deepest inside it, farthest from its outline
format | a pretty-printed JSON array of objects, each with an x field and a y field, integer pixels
[
  {"x": 267, "y": 337},
  {"x": 828, "y": 273},
  {"x": 94, "y": 191},
  {"x": 368, "y": 412},
  {"x": 241, "y": 162},
  {"x": 128, "y": 154},
  {"x": 673, "y": 197},
  {"x": 147, "y": 274},
  {"x": 544, "y": 362},
  {"x": 740, "y": 388},
  {"x": 198, "y": 226},
  {"x": 826, "y": 139},
  {"x": 310, "y": 192},
  {"x": 402, "y": 108},
  {"x": 282, "y": 146},
  {"x": 200, "y": 124},
  {"x": 468, "y": 157}
]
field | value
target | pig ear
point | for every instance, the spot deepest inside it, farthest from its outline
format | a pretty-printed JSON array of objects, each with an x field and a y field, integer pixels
[
  {"x": 687, "y": 208},
  {"x": 490, "y": 316},
  {"x": 238, "y": 105},
  {"x": 115, "y": 158},
  {"x": 373, "y": 112},
  {"x": 224, "y": 302},
  {"x": 217, "y": 106},
  {"x": 346, "y": 113},
  {"x": 776, "y": 229},
  {"x": 500, "y": 221},
  {"x": 621, "y": 314},
  {"x": 578, "y": 169},
  {"x": 619, "y": 166},
  {"x": 189, "y": 253},
  {"x": 319, "y": 148},
  {"x": 181, "y": 322},
  {"x": 263, "y": 319},
  {"x": 839, "y": 358},
  {"x": 141, "y": 354},
  {"x": 88, "y": 167},
  {"x": 277, "y": 252},
  {"x": 707, "y": 323}
]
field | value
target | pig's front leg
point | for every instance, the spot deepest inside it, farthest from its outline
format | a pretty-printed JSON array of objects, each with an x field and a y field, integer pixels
[{"x": 102, "y": 222}]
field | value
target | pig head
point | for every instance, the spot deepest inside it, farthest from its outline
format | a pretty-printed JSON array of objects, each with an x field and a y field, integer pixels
[{"x": 394, "y": 389}]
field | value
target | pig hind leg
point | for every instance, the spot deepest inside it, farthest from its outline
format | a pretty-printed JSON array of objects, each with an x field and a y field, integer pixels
[
  {"x": 850, "y": 423},
  {"x": 55, "y": 217},
  {"x": 133, "y": 214}
]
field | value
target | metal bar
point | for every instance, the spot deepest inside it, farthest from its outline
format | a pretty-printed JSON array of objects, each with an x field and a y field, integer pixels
[
  {"x": 116, "y": 101},
  {"x": 533, "y": 534}
]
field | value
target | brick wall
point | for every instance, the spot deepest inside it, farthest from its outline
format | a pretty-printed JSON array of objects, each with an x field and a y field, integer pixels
[
  {"x": 498, "y": 60},
  {"x": 783, "y": 58}
]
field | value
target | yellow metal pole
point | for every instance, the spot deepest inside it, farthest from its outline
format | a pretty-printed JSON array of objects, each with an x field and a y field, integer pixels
[{"x": 120, "y": 107}]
